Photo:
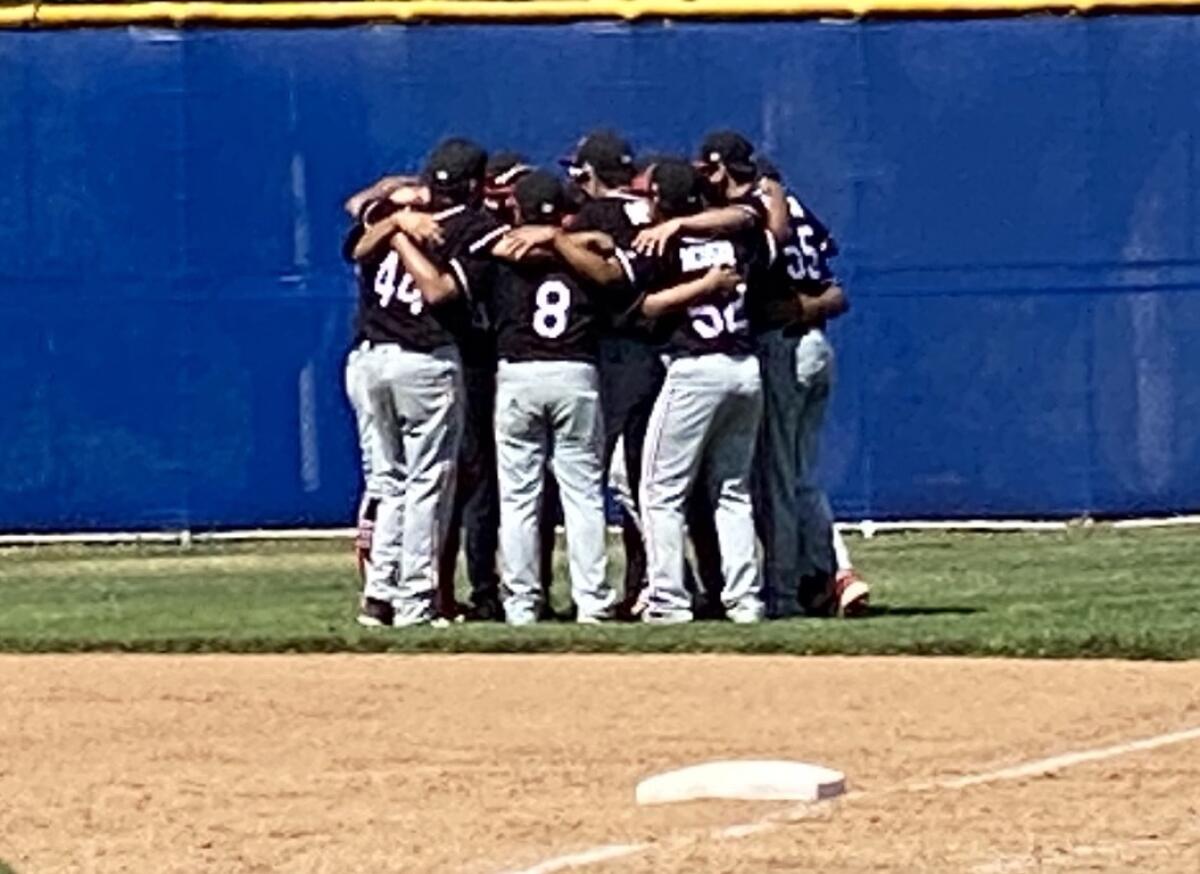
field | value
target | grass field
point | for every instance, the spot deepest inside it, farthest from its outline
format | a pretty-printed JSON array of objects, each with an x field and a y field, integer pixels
[{"x": 1088, "y": 592}]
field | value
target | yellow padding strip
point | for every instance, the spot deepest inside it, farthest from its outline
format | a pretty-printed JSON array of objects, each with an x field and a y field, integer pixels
[
  {"x": 67, "y": 15},
  {"x": 13, "y": 16}
]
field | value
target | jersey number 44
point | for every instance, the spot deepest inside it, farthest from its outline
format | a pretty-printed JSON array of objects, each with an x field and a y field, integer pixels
[{"x": 389, "y": 288}]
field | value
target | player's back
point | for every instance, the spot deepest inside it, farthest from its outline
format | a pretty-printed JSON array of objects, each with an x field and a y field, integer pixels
[
  {"x": 715, "y": 323},
  {"x": 543, "y": 312},
  {"x": 391, "y": 307},
  {"x": 803, "y": 266},
  {"x": 620, "y": 215}
]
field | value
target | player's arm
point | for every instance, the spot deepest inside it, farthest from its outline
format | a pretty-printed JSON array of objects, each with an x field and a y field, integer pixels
[
  {"x": 417, "y": 225},
  {"x": 583, "y": 253},
  {"x": 681, "y": 296},
  {"x": 437, "y": 286},
  {"x": 385, "y": 187},
  {"x": 829, "y": 304},
  {"x": 375, "y": 236},
  {"x": 710, "y": 222},
  {"x": 774, "y": 200}
]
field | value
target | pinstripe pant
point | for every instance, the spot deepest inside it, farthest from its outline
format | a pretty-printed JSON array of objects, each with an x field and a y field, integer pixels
[
  {"x": 415, "y": 399},
  {"x": 702, "y": 434},
  {"x": 549, "y": 412}
]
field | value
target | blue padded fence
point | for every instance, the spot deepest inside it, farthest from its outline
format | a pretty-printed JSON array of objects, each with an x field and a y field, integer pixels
[{"x": 1016, "y": 201}]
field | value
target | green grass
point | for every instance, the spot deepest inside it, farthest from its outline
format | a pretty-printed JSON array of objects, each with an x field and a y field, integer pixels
[{"x": 1087, "y": 592}]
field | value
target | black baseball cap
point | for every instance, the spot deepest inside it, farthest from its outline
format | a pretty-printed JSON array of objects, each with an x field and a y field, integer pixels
[
  {"x": 607, "y": 153},
  {"x": 504, "y": 168},
  {"x": 730, "y": 148},
  {"x": 453, "y": 163},
  {"x": 646, "y": 160},
  {"x": 541, "y": 198},
  {"x": 676, "y": 187}
]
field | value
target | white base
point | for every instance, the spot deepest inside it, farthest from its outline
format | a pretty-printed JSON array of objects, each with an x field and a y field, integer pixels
[{"x": 745, "y": 781}]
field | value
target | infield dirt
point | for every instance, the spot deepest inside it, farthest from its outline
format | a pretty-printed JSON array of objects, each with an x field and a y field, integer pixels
[{"x": 481, "y": 764}]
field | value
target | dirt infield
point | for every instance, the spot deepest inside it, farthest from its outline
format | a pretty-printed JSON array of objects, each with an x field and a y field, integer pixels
[{"x": 478, "y": 764}]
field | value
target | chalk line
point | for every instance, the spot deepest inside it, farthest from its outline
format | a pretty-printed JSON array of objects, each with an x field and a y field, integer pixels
[{"x": 1034, "y": 768}]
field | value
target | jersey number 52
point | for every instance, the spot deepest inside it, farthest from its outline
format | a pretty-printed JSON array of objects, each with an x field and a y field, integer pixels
[{"x": 710, "y": 321}]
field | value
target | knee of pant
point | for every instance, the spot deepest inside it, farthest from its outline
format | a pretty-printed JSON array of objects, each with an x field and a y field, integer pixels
[
  {"x": 388, "y": 486},
  {"x": 652, "y": 500}
]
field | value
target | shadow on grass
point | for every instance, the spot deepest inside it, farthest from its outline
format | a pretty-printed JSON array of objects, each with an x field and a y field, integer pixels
[
  {"x": 6, "y": 868},
  {"x": 885, "y": 610}
]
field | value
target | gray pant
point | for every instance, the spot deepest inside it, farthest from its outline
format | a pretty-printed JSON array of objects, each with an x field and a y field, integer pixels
[
  {"x": 549, "y": 411},
  {"x": 704, "y": 424},
  {"x": 415, "y": 399},
  {"x": 795, "y": 521},
  {"x": 357, "y": 382},
  {"x": 357, "y": 379}
]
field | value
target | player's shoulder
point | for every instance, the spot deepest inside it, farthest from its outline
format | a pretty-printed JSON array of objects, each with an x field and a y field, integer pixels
[
  {"x": 471, "y": 230},
  {"x": 351, "y": 239},
  {"x": 754, "y": 201},
  {"x": 613, "y": 214}
]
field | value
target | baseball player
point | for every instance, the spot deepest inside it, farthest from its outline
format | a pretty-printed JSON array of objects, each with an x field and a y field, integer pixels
[
  {"x": 631, "y": 372},
  {"x": 547, "y": 406},
  {"x": 807, "y": 565},
  {"x": 368, "y": 207},
  {"x": 505, "y": 170},
  {"x": 475, "y": 514},
  {"x": 414, "y": 380},
  {"x": 705, "y": 419}
]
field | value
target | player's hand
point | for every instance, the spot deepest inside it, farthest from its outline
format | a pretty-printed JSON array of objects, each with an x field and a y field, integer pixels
[
  {"x": 770, "y": 188},
  {"x": 724, "y": 278},
  {"x": 519, "y": 242},
  {"x": 654, "y": 240},
  {"x": 420, "y": 227}
]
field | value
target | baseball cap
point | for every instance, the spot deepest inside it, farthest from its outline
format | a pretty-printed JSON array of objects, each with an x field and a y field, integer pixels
[
  {"x": 729, "y": 148},
  {"x": 453, "y": 163},
  {"x": 541, "y": 198},
  {"x": 504, "y": 168},
  {"x": 676, "y": 187},
  {"x": 607, "y": 153}
]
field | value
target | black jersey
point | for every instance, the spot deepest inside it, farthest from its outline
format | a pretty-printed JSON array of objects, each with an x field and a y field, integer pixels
[
  {"x": 619, "y": 215},
  {"x": 716, "y": 323},
  {"x": 541, "y": 311},
  {"x": 391, "y": 307},
  {"x": 804, "y": 262}
]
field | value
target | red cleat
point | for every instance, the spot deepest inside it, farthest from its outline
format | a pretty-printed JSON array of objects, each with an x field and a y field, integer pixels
[{"x": 853, "y": 596}]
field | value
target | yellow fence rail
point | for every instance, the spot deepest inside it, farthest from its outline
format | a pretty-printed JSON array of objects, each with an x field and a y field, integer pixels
[{"x": 352, "y": 11}]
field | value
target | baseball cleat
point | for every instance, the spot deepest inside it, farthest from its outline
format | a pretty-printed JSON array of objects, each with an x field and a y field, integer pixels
[
  {"x": 374, "y": 613},
  {"x": 853, "y": 595},
  {"x": 484, "y": 611},
  {"x": 423, "y": 617}
]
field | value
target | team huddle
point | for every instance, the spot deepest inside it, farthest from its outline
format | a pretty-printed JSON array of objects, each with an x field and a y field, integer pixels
[{"x": 523, "y": 341}]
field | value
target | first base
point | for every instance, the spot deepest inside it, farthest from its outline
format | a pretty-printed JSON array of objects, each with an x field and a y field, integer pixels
[{"x": 753, "y": 780}]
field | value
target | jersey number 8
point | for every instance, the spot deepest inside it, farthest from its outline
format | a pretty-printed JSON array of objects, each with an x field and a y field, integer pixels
[
  {"x": 404, "y": 291},
  {"x": 553, "y": 300}
]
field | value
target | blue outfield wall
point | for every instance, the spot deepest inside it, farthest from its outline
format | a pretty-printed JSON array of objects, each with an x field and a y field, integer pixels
[{"x": 1016, "y": 201}]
